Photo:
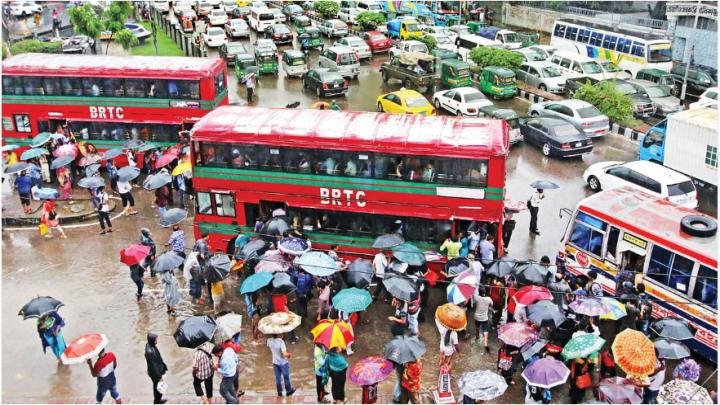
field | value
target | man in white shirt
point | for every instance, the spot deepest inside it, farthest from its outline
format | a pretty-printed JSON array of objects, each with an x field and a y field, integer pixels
[
  {"x": 380, "y": 262},
  {"x": 534, "y": 206}
]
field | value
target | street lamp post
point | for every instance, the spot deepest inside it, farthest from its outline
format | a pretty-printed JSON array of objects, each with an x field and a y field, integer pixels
[{"x": 692, "y": 54}]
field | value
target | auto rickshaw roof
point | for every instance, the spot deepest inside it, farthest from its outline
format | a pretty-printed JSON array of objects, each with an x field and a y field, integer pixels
[
  {"x": 500, "y": 71},
  {"x": 456, "y": 63},
  {"x": 294, "y": 54}
]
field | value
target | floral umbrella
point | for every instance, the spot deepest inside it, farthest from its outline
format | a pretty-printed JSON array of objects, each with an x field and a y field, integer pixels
[
  {"x": 370, "y": 370},
  {"x": 293, "y": 246},
  {"x": 516, "y": 333},
  {"x": 589, "y": 306},
  {"x": 69, "y": 150},
  {"x": 451, "y": 316},
  {"x": 462, "y": 287},
  {"x": 582, "y": 346},
  {"x": 683, "y": 392},
  {"x": 634, "y": 353},
  {"x": 332, "y": 333},
  {"x": 483, "y": 385},
  {"x": 688, "y": 369},
  {"x": 617, "y": 309}
]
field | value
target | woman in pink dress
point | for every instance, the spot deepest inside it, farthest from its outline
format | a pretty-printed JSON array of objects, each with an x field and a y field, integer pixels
[{"x": 65, "y": 183}]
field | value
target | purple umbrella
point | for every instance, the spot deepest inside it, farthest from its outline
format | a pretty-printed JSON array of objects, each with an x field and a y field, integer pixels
[
  {"x": 516, "y": 333},
  {"x": 589, "y": 306},
  {"x": 547, "y": 372}
]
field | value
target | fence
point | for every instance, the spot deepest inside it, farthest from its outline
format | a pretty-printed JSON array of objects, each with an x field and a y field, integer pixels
[{"x": 174, "y": 31}]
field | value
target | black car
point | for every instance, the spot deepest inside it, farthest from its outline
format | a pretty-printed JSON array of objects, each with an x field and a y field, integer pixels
[
  {"x": 230, "y": 50},
  {"x": 240, "y": 12},
  {"x": 325, "y": 82},
  {"x": 279, "y": 33},
  {"x": 699, "y": 79},
  {"x": 555, "y": 137}
]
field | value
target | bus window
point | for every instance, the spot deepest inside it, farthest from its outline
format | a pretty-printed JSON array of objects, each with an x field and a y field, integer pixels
[
  {"x": 219, "y": 83},
  {"x": 611, "y": 250},
  {"x": 638, "y": 49},
  {"x": 52, "y": 86},
  {"x": 33, "y": 86},
  {"x": 559, "y": 31},
  {"x": 359, "y": 163},
  {"x": 185, "y": 89},
  {"x": 224, "y": 205},
  {"x": 113, "y": 87},
  {"x": 330, "y": 162},
  {"x": 470, "y": 172},
  {"x": 623, "y": 45},
  {"x": 203, "y": 203},
  {"x": 596, "y": 39},
  {"x": 156, "y": 88},
  {"x": 71, "y": 86},
  {"x": 583, "y": 36},
  {"x": 91, "y": 87},
  {"x": 11, "y": 85},
  {"x": 660, "y": 53},
  {"x": 609, "y": 42},
  {"x": 670, "y": 269},
  {"x": 135, "y": 88},
  {"x": 705, "y": 289},
  {"x": 268, "y": 158},
  {"x": 242, "y": 156},
  {"x": 571, "y": 33}
]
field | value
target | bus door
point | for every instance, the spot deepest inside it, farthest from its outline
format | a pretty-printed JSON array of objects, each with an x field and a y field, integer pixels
[{"x": 632, "y": 254}]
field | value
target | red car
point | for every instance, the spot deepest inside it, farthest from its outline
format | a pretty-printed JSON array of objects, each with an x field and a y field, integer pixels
[{"x": 377, "y": 41}]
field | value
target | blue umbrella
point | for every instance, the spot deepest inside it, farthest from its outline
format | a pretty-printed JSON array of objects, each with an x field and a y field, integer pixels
[
  {"x": 111, "y": 154},
  {"x": 352, "y": 300},
  {"x": 128, "y": 173},
  {"x": 155, "y": 181},
  {"x": 147, "y": 147},
  {"x": 255, "y": 282},
  {"x": 61, "y": 161},
  {"x": 91, "y": 182},
  {"x": 409, "y": 254},
  {"x": 47, "y": 193},
  {"x": 544, "y": 185},
  {"x": 41, "y": 139},
  {"x": 317, "y": 263},
  {"x": 133, "y": 144},
  {"x": 172, "y": 217},
  {"x": 8, "y": 148},
  {"x": 293, "y": 246},
  {"x": 33, "y": 153},
  {"x": 92, "y": 169},
  {"x": 17, "y": 167}
]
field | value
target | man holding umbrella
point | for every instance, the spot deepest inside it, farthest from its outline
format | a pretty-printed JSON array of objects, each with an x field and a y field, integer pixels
[
  {"x": 104, "y": 371},
  {"x": 533, "y": 205}
]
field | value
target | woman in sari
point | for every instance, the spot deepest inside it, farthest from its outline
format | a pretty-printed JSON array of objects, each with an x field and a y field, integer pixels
[
  {"x": 172, "y": 291},
  {"x": 49, "y": 327}
]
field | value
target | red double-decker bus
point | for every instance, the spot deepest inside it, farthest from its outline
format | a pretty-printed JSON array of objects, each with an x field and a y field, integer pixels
[
  {"x": 346, "y": 177},
  {"x": 107, "y": 100}
]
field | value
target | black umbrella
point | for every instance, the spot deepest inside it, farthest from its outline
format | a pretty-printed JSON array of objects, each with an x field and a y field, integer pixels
[
  {"x": 388, "y": 241},
  {"x": 671, "y": 349},
  {"x": 275, "y": 226},
  {"x": 455, "y": 266},
  {"x": 61, "y": 161},
  {"x": 111, "y": 154},
  {"x": 544, "y": 313},
  {"x": 359, "y": 273},
  {"x": 167, "y": 261},
  {"x": 194, "y": 331},
  {"x": 544, "y": 185},
  {"x": 673, "y": 328},
  {"x": 91, "y": 182},
  {"x": 218, "y": 268},
  {"x": 404, "y": 349},
  {"x": 128, "y": 173},
  {"x": 502, "y": 267},
  {"x": 39, "y": 306},
  {"x": 17, "y": 167},
  {"x": 530, "y": 273},
  {"x": 399, "y": 286},
  {"x": 155, "y": 181},
  {"x": 282, "y": 283},
  {"x": 254, "y": 248},
  {"x": 172, "y": 217}
]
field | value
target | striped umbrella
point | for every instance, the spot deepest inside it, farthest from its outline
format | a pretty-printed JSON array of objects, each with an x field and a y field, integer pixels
[
  {"x": 634, "y": 352},
  {"x": 462, "y": 287},
  {"x": 332, "y": 333},
  {"x": 617, "y": 309},
  {"x": 582, "y": 346}
]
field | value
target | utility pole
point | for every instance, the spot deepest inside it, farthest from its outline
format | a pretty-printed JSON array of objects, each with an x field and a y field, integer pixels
[{"x": 692, "y": 54}]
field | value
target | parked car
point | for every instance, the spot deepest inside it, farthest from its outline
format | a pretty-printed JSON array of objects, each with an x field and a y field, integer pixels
[
  {"x": 643, "y": 175},
  {"x": 349, "y": 14},
  {"x": 189, "y": 15},
  {"x": 229, "y": 6},
  {"x": 377, "y": 41},
  {"x": 661, "y": 96},
  {"x": 357, "y": 44},
  {"x": 642, "y": 105},
  {"x": 543, "y": 75},
  {"x": 555, "y": 137},
  {"x": 24, "y": 8},
  {"x": 546, "y": 50},
  {"x": 325, "y": 82},
  {"x": 414, "y": 70},
  {"x": 434, "y": 29},
  {"x": 498, "y": 82},
  {"x": 583, "y": 115},
  {"x": 214, "y": 37},
  {"x": 460, "y": 30},
  {"x": 530, "y": 55},
  {"x": 699, "y": 79},
  {"x": 162, "y": 6},
  {"x": 292, "y": 10},
  {"x": 461, "y": 101},
  {"x": 294, "y": 63},
  {"x": 265, "y": 44},
  {"x": 443, "y": 41},
  {"x": 333, "y": 28},
  {"x": 279, "y": 33},
  {"x": 612, "y": 70},
  {"x": 180, "y": 6},
  {"x": 341, "y": 59},
  {"x": 217, "y": 17},
  {"x": 230, "y": 50},
  {"x": 240, "y": 12},
  {"x": 404, "y": 102},
  {"x": 707, "y": 99},
  {"x": 237, "y": 28},
  {"x": 410, "y": 46},
  {"x": 656, "y": 76}
]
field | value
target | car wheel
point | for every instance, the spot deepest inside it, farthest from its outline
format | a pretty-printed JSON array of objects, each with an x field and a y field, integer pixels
[
  {"x": 594, "y": 183},
  {"x": 304, "y": 83},
  {"x": 407, "y": 83},
  {"x": 534, "y": 114},
  {"x": 317, "y": 91},
  {"x": 380, "y": 107},
  {"x": 543, "y": 87},
  {"x": 437, "y": 104},
  {"x": 546, "y": 150},
  {"x": 458, "y": 113},
  {"x": 384, "y": 76}
]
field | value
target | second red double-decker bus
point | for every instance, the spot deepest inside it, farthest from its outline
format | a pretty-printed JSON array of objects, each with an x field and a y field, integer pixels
[{"x": 346, "y": 177}]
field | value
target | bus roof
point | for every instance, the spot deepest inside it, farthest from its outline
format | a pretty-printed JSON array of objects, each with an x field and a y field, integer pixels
[
  {"x": 40, "y": 64},
  {"x": 652, "y": 218},
  {"x": 471, "y": 138},
  {"x": 648, "y": 36}
]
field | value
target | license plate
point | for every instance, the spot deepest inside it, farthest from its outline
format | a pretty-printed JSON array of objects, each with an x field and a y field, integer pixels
[
  {"x": 336, "y": 85},
  {"x": 578, "y": 144}
]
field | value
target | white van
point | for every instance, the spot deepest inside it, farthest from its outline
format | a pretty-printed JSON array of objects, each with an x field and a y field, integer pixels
[
  {"x": 341, "y": 59},
  {"x": 261, "y": 18},
  {"x": 465, "y": 43},
  {"x": 577, "y": 65}
]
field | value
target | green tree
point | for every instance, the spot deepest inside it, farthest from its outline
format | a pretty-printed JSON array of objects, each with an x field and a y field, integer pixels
[
  {"x": 126, "y": 39},
  {"x": 86, "y": 21},
  {"x": 606, "y": 98},
  {"x": 326, "y": 9},
  {"x": 34, "y": 46},
  {"x": 369, "y": 20},
  {"x": 115, "y": 17},
  {"x": 428, "y": 40},
  {"x": 4, "y": 51},
  {"x": 487, "y": 56}
]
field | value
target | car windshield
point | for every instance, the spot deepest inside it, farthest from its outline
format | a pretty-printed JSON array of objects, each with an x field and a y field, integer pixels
[
  {"x": 660, "y": 53},
  {"x": 237, "y": 23},
  {"x": 463, "y": 31},
  {"x": 355, "y": 41},
  {"x": 412, "y": 27},
  {"x": 219, "y": 13},
  {"x": 418, "y": 48},
  {"x": 340, "y": 24},
  {"x": 348, "y": 59},
  {"x": 591, "y": 67},
  {"x": 236, "y": 48},
  {"x": 625, "y": 88},
  {"x": 297, "y": 61},
  {"x": 293, "y": 8},
  {"x": 610, "y": 67},
  {"x": 533, "y": 56},
  {"x": 658, "y": 91},
  {"x": 416, "y": 102},
  {"x": 441, "y": 39},
  {"x": 589, "y": 112},
  {"x": 469, "y": 98},
  {"x": 680, "y": 188},
  {"x": 462, "y": 72},
  {"x": 550, "y": 71},
  {"x": 565, "y": 130},
  {"x": 377, "y": 37},
  {"x": 267, "y": 17}
]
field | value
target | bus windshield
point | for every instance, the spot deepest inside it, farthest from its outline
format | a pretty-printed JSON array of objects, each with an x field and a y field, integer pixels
[{"x": 660, "y": 53}]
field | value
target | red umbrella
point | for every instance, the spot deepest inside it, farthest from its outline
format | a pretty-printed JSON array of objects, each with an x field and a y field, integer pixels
[
  {"x": 134, "y": 254},
  {"x": 165, "y": 159},
  {"x": 528, "y": 295},
  {"x": 83, "y": 348}
]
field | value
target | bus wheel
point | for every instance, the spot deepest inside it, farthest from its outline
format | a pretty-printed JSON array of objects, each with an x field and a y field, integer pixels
[
  {"x": 696, "y": 225},
  {"x": 594, "y": 183}
]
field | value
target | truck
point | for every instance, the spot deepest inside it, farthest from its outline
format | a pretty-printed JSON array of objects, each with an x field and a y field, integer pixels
[
  {"x": 413, "y": 69},
  {"x": 403, "y": 28},
  {"x": 508, "y": 38},
  {"x": 686, "y": 141}
]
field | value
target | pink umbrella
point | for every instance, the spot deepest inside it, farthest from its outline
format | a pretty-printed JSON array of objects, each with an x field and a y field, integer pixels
[
  {"x": 272, "y": 262},
  {"x": 516, "y": 333},
  {"x": 83, "y": 348},
  {"x": 589, "y": 306},
  {"x": 618, "y": 390},
  {"x": 165, "y": 159},
  {"x": 66, "y": 150},
  {"x": 370, "y": 370}
]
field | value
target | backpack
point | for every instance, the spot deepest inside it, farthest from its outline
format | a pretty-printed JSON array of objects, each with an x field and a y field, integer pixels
[
  {"x": 505, "y": 361},
  {"x": 583, "y": 381}
]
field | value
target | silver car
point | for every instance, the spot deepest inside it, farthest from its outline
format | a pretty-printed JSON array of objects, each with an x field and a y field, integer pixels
[
  {"x": 531, "y": 55},
  {"x": 660, "y": 94},
  {"x": 237, "y": 28},
  {"x": 583, "y": 115},
  {"x": 543, "y": 75}
]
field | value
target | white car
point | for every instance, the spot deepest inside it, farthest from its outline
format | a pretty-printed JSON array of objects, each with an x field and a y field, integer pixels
[
  {"x": 180, "y": 7},
  {"x": 644, "y": 175},
  {"x": 237, "y": 27},
  {"x": 434, "y": 29},
  {"x": 204, "y": 8},
  {"x": 707, "y": 99},
  {"x": 409, "y": 46},
  {"x": 443, "y": 41},
  {"x": 543, "y": 75},
  {"x": 280, "y": 18},
  {"x": 546, "y": 50},
  {"x": 229, "y": 6},
  {"x": 613, "y": 71},
  {"x": 214, "y": 37},
  {"x": 461, "y": 101},
  {"x": 25, "y": 8},
  {"x": 357, "y": 44},
  {"x": 162, "y": 6},
  {"x": 218, "y": 17},
  {"x": 265, "y": 44},
  {"x": 531, "y": 55},
  {"x": 349, "y": 14}
]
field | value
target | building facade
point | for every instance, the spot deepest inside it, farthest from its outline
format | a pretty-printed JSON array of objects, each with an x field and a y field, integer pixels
[{"x": 681, "y": 16}]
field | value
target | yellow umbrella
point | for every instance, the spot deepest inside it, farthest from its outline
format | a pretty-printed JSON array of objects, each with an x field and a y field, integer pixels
[
  {"x": 332, "y": 333},
  {"x": 181, "y": 168}
]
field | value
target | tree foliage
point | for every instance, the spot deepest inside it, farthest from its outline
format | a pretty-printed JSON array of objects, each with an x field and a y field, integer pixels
[
  {"x": 486, "y": 56},
  {"x": 126, "y": 39},
  {"x": 326, "y": 9},
  {"x": 34, "y": 46},
  {"x": 114, "y": 19},
  {"x": 369, "y": 20},
  {"x": 611, "y": 102},
  {"x": 86, "y": 21},
  {"x": 428, "y": 40}
]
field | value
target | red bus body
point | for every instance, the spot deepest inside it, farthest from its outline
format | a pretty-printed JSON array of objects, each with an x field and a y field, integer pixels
[{"x": 353, "y": 134}]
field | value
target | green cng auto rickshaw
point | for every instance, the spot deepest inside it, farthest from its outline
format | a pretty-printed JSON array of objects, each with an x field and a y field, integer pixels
[
  {"x": 242, "y": 62},
  {"x": 455, "y": 73},
  {"x": 528, "y": 38},
  {"x": 476, "y": 26},
  {"x": 311, "y": 39},
  {"x": 294, "y": 63},
  {"x": 301, "y": 23},
  {"x": 266, "y": 61},
  {"x": 498, "y": 82}
]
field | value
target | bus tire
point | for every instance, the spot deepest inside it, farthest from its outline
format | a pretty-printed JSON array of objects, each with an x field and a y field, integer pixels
[
  {"x": 696, "y": 225},
  {"x": 594, "y": 183}
]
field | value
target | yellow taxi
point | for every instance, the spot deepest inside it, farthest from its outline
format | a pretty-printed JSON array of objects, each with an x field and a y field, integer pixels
[{"x": 405, "y": 102}]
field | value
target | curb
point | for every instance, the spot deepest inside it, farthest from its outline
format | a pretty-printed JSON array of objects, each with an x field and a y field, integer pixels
[{"x": 64, "y": 220}]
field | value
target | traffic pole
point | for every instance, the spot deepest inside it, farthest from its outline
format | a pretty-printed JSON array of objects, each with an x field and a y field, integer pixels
[{"x": 692, "y": 54}]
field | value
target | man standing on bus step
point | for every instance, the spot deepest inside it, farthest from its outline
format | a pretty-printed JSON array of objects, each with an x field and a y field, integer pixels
[{"x": 533, "y": 205}]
